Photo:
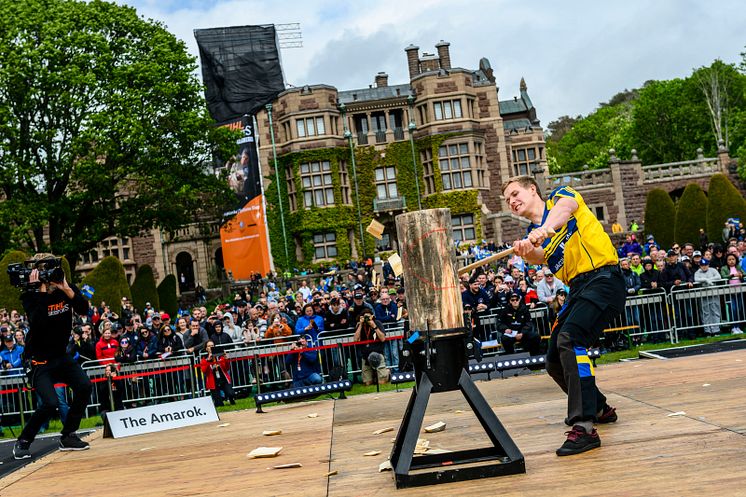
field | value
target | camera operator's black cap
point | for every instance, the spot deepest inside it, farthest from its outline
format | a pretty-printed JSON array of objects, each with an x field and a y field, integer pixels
[{"x": 358, "y": 294}]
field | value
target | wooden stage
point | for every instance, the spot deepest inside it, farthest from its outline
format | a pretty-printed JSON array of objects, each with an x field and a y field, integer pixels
[{"x": 646, "y": 453}]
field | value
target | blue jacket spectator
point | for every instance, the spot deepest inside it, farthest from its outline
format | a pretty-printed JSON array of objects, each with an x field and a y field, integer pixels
[
  {"x": 304, "y": 364},
  {"x": 309, "y": 323},
  {"x": 146, "y": 342},
  {"x": 12, "y": 355},
  {"x": 630, "y": 247}
]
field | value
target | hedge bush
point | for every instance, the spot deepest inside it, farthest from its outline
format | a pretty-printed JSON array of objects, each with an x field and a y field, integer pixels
[
  {"x": 691, "y": 215},
  {"x": 10, "y": 296},
  {"x": 167, "y": 296},
  {"x": 143, "y": 288},
  {"x": 109, "y": 282},
  {"x": 725, "y": 201},
  {"x": 660, "y": 213}
]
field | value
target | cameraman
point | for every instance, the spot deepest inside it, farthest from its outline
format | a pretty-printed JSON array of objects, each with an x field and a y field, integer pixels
[
  {"x": 304, "y": 364},
  {"x": 50, "y": 311},
  {"x": 369, "y": 329},
  {"x": 215, "y": 368}
]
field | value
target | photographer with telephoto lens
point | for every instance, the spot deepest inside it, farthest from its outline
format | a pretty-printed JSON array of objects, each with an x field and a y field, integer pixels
[{"x": 50, "y": 301}]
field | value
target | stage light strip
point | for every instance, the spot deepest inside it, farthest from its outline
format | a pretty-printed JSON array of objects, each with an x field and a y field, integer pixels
[{"x": 302, "y": 392}]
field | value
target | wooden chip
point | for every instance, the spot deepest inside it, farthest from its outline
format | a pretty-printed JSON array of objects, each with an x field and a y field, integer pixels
[
  {"x": 383, "y": 430},
  {"x": 375, "y": 229},
  {"x": 313, "y": 415},
  {"x": 385, "y": 466},
  {"x": 289, "y": 465},
  {"x": 264, "y": 452},
  {"x": 224, "y": 425},
  {"x": 396, "y": 265},
  {"x": 677, "y": 413},
  {"x": 459, "y": 411},
  {"x": 372, "y": 453},
  {"x": 332, "y": 473},
  {"x": 146, "y": 448},
  {"x": 706, "y": 385},
  {"x": 438, "y": 451},
  {"x": 435, "y": 428},
  {"x": 422, "y": 446},
  {"x": 271, "y": 433}
]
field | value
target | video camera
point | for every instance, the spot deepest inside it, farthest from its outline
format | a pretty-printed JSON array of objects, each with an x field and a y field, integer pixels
[{"x": 50, "y": 271}]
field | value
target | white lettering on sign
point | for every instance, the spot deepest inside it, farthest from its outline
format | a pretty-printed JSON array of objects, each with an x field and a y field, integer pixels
[{"x": 161, "y": 417}]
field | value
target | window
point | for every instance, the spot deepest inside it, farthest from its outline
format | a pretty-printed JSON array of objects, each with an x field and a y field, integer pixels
[
  {"x": 310, "y": 126},
  {"x": 599, "y": 211},
  {"x": 291, "y": 189},
  {"x": 447, "y": 109},
  {"x": 344, "y": 183},
  {"x": 325, "y": 245},
  {"x": 463, "y": 228},
  {"x": 455, "y": 166},
  {"x": 316, "y": 178},
  {"x": 523, "y": 160},
  {"x": 426, "y": 157},
  {"x": 386, "y": 183}
]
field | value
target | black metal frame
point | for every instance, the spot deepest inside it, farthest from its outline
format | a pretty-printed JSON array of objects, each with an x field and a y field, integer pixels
[{"x": 501, "y": 459}]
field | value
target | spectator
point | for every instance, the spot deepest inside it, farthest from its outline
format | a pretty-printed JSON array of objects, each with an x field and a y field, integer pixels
[
  {"x": 634, "y": 228},
  {"x": 303, "y": 364},
  {"x": 703, "y": 240},
  {"x": 635, "y": 264},
  {"x": 230, "y": 328},
  {"x": 476, "y": 304},
  {"x": 650, "y": 277},
  {"x": 106, "y": 347},
  {"x": 12, "y": 354},
  {"x": 718, "y": 257},
  {"x": 529, "y": 295},
  {"x": 734, "y": 275},
  {"x": 217, "y": 375},
  {"x": 631, "y": 279},
  {"x": 515, "y": 324},
  {"x": 219, "y": 338},
  {"x": 358, "y": 306},
  {"x": 547, "y": 288},
  {"x": 696, "y": 259},
  {"x": 371, "y": 354},
  {"x": 557, "y": 305},
  {"x": 156, "y": 322},
  {"x": 709, "y": 304},
  {"x": 674, "y": 272},
  {"x": 111, "y": 373},
  {"x": 651, "y": 245},
  {"x": 630, "y": 247},
  {"x": 80, "y": 346},
  {"x": 304, "y": 291},
  {"x": 182, "y": 328},
  {"x": 309, "y": 323},
  {"x": 196, "y": 339},
  {"x": 126, "y": 352},
  {"x": 336, "y": 317},
  {"x": 169, "y": 343},
  {"x": 385, "y": 310},
  {"x": 500, "y": 298},
  {"x": 147, "y": 344},
  {"x": 278, "y": 327}
]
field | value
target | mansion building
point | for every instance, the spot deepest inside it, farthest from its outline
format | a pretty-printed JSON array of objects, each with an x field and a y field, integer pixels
[{"x": 347, "y": 157}]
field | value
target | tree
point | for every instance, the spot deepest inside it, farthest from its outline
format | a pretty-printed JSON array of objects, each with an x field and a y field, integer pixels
[
  {"x": 725, "y": 201},
  {"x": 143, "y": 289},
  {"x": 109, "y": 283},
  {"x": 660, "y": 213},
  {"x": 167, "y": 295},
  {"x": 10, "y": 296},
  {"x": 560, "y": 127},
  {"x": 723, "y": 89},
  {"x": 691, "y": 214},
  {"x": 103, "y": 129}
]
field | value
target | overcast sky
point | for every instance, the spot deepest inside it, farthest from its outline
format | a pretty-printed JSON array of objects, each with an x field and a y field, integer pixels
[{"x": 573, "y": 54}]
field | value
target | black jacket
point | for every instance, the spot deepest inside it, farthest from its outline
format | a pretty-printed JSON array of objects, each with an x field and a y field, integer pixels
[
  {"x": 515, "y": 319},
  {"x": 50, "y": 318},
  {"x": 648, "y": 277},
  {"x": 673, "y": 272}
]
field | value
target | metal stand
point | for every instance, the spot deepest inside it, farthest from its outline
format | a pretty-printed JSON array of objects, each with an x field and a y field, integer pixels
[{"x": 500, "y": 459}]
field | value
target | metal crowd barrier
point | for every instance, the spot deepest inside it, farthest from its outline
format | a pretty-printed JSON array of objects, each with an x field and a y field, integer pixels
[{"x": 706, "y": 309}]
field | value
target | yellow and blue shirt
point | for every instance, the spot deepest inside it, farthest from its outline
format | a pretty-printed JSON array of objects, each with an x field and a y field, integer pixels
[{"x": 579, "y": 246}]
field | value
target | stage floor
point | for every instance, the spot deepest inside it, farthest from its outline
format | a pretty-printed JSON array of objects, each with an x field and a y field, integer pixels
[{"x": 648, "y": 452}]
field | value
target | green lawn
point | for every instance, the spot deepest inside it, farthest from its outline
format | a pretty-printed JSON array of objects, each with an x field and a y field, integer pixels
[{"x": 248, "y": 403}]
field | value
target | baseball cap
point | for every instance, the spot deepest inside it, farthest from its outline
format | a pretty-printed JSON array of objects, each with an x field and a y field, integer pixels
[
  {"x": 704, "y": 262},
  {"x": 358, "y": 294},
  {"x": 671, "y": 253},
  {"x": 155, "y": 316},
  {"x": 164, "y": 315},
  {"x": 508, "y": 279},
  {"x": 696, "y": 253}
]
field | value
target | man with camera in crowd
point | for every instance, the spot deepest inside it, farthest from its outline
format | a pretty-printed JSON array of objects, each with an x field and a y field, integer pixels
[
  {"x": 50, "y": 301},
  {"x": 303, "y": 364},
  {"x": 370, "y": 330},
  {"x": 217, "y": 379}
]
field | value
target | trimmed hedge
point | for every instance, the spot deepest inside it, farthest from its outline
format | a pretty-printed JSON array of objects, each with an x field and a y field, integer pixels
[
  {"x": 143, "y": 289},
  {"x": 109, "y": 282},
  {"x": 10, "y": 296},
  {"x": 725, "y": 201},
  {"x": 659, "y": 212},
  {"x": 691, "y": 215},
  {"x": 167, "y": 296}
]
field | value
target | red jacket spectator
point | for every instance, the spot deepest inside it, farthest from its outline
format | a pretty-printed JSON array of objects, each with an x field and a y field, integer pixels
[
  {"x": 106, "y": 348},
  {"x": 208, "y": 369}
]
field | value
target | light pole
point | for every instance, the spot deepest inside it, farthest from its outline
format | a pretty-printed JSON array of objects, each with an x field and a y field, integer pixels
[
  {"x": 348, "y": 137},
  {"x": 412, "y": 127},
  {"x": 277, "y": 180}
]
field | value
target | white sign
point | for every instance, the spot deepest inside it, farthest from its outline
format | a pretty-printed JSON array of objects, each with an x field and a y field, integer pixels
[{"x": 161, "y": 417}]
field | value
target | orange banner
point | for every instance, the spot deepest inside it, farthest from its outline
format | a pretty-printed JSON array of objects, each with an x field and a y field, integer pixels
[{"x": 244, "y": 242}]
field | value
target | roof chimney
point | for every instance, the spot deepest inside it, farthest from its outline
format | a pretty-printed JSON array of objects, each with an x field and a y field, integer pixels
[
  {"x": 413, "y": 60},
  {"x": 382, "y": 79},
  {"x": 444, "y": 54}
]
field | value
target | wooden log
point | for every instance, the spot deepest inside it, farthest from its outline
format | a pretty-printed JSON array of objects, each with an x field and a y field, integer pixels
[{"x": 429, "y": 263}]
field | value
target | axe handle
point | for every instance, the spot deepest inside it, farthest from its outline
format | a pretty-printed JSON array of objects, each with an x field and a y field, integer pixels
[
  {"x": 495, "y": 257},
  {"x": 486, "y": 260}
]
